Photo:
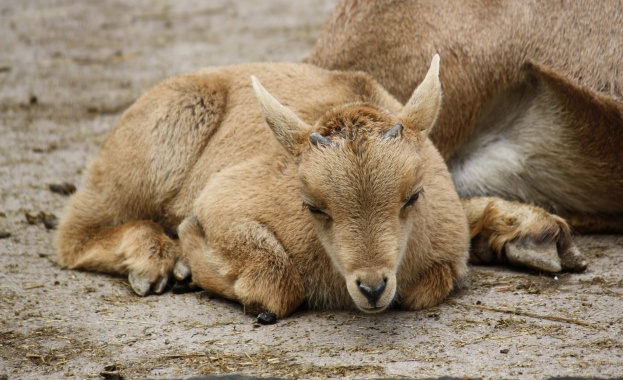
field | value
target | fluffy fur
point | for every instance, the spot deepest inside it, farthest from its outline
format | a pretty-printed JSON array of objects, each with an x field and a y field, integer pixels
[
  {"x": 266, "y": 215},
  {"x": 533, "y": 94}
]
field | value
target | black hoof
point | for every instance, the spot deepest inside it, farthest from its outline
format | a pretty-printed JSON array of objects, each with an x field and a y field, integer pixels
[{"x": 267, "y": 318}]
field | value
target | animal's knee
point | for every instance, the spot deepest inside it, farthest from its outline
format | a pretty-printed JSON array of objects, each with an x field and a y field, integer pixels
[
  {"x": 276, "y": 289},
  {"x": 70, "y": 240},
  {"x": 432, "y": 287},
  {"x": 83, "y": 219}
]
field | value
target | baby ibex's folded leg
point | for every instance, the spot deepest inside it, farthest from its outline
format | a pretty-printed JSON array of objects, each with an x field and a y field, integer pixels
[
  {"x": 522, "y": 234},
  {"x": 431, "y": 287},
  {"x": 139, "y": 249},
  {"x": 241, "y": 261}
]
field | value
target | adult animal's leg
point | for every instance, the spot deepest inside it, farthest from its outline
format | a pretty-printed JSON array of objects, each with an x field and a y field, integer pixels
[{"x": 521, "y": 234}]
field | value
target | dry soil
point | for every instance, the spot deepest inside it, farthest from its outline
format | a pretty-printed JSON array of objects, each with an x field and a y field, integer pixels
[{"x": 67, "y": 71}]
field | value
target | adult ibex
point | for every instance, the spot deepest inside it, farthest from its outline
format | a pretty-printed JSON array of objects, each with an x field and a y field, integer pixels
[
  {"x": 533, "y": 108},
  {"x": 345, "y": 204}
]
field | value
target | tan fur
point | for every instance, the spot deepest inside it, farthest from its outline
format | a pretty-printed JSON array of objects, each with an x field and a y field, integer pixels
[
  {"x": 237, "y": 177},
  {"x": 533, "y": 104},
  {"x": 533, "y": 96}
]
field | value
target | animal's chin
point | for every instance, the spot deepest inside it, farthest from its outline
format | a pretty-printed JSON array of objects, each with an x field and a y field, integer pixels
[{"x": 372, "y": 310}]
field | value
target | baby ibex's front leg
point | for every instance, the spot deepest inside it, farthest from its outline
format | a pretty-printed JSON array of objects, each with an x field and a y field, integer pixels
[
  {"x": 240, "y": 260},
  {"x": 522, "y": 234},
  {"x": 139, "y": 249},
  {"x": 430, "y": 288}
]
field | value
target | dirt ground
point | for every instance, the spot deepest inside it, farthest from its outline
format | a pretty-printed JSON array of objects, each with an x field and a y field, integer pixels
[{"x": 67, "y": 71}]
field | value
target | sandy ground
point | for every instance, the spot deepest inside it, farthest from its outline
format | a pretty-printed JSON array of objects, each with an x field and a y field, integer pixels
[{"x": 67, "y": 71}]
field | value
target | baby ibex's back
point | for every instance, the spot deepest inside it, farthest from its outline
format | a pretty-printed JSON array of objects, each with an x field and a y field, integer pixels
[{"x": 341, "y": 202}]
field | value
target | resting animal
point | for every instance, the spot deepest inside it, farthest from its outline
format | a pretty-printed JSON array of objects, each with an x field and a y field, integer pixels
[
  {"x": 533, "y": 110},
  {"x": 334, "y": 199}
]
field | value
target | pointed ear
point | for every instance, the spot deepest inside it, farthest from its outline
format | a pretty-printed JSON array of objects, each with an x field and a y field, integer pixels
[
  {"x": 289, "y": 130},
  {"x": 420, "y": 112}
]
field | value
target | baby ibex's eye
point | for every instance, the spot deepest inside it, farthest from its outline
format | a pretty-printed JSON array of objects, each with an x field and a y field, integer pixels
[
  {"x": 412, "y": 200},
  {"x": 317, "y": 212}
]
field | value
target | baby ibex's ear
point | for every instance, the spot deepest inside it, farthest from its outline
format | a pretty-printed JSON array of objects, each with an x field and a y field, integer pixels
[
  {"x": 289, "y": 130},
  {"x": 420, "y": 112}
]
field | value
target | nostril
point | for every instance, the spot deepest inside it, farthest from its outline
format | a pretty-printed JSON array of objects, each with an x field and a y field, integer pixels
[
  {"x": 380, "y": 288},
  {"x": 372, "y": 294}
]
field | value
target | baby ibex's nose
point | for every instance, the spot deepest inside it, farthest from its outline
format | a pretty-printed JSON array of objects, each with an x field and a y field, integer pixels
[{"x": 372, "y": 292}]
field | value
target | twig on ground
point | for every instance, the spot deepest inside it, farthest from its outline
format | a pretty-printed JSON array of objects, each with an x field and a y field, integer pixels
[
  {"x": 34, "y": 287},
  {"x": 130, "y": 321},
  {"x": 189, "y": 355},
  {"x": 54, "y": 320},
  {"x": 35, "y": 356},
  {"x": 508, "y": 336},
  {"x": 528, "y": 314}
]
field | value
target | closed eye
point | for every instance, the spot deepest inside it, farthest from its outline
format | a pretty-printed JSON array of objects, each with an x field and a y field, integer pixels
[
  {"x": 317, "y": 212},
  {"x": 411, "y": 200}
]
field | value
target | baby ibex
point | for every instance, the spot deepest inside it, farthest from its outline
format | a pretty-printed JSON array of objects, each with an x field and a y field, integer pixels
[
  {"x": 533, "y": 109},
  {"x": 345, "y": 204}
]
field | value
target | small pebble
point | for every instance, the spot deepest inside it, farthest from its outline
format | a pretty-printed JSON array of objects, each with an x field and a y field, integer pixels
[
  {"x": 267, "y": 318},
  {"x": 4, "y": 234},
  {"x": 64, "y": 188},
  {"x": 50, "y": 221},
  {"x": 30, "y": 218},
  {"x": 504, "y": 351}
]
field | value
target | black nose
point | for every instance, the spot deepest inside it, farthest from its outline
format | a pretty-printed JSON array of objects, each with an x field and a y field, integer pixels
[{"x": 372, "y": 293}]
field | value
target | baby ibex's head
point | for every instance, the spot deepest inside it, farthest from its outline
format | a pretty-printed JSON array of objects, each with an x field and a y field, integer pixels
[{"x": 362, "y": 173}]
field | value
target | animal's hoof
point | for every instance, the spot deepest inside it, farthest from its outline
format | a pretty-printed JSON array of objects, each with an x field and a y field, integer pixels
[
  {"x": 542, "y": 257},
  {"x": 139, "y": 284},
  {"x": 161, "y": 285},
  {"x": 181, "y": 271},
  {"x": 267, "y": 318},
  {"x": 571, "y": 258}
]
